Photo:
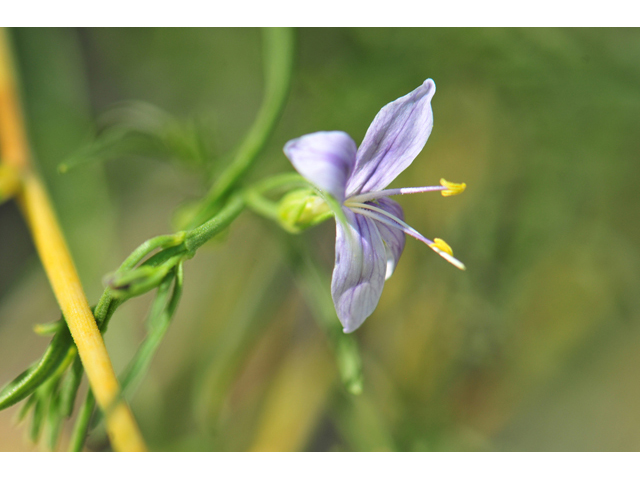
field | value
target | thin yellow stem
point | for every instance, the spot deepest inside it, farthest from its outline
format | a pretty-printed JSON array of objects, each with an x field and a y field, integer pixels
[{"x": 59, "y": 267}]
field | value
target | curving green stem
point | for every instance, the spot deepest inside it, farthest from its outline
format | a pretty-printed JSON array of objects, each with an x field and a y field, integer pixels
[
  {"x": 198, "y": 236},
  {"x": 279, "y": 49}
]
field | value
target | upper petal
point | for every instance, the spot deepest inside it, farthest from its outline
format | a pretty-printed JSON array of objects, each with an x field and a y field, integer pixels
[
  {"x": 394, "y": 238},
  {"x": 326, "y": 159},
  {"x": 393, "y": 140},
  {"x": 358, "y": 275}
]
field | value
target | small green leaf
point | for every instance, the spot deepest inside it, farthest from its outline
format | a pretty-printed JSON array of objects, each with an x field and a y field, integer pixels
[
  {"x": 48, "y": 329},
  {"x": 141, "y": 280}
]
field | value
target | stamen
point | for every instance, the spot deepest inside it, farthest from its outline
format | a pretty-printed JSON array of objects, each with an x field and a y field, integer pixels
[
  {"x": 449, "y": 258},
  {"x": 399, "y": 223},
  {"x": 366, "y": 197},
  {"x": 442, "y": 245},
  {"x": 451, "y": 188},
  {"x": 392, "y": 223},
  {"x": 439, "y": 246}
]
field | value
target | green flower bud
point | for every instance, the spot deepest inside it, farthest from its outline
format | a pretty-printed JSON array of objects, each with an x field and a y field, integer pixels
[{"x": 301, "y": 209}]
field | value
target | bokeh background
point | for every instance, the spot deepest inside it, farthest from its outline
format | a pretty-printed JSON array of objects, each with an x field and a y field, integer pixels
[{"x": 534, "y": 347}]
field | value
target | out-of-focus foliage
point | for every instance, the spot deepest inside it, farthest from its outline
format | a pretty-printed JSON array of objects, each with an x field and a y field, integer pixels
[{"x": 534, "y": 347}]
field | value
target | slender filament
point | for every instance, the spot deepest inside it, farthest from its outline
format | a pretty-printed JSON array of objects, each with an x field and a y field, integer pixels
[
  {"x": 392, "y": 221},
  {"x": 366, "y": 197}
]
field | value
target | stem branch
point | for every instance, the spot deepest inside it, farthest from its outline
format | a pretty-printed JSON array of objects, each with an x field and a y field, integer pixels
[{"x": 279, "y": 54}]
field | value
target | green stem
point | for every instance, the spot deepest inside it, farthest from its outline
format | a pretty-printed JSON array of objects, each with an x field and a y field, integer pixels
[
  {"x": 198, "y": 236},
  {"x": 279, "y": 53},
  {"x": 286, "y": 181},
  {"x": 108, "y": 304},
  {"x": 261, "y": 205},
  {"x": 161, "y": 241}
]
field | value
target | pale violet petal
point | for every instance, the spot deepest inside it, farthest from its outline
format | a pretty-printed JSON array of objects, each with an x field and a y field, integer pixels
[
  {"x": 358, "y": 275},
  {"x": 326, "y": 159},
  {"x": 394, "y": 138},
  {"x": 393, "y": 238}
]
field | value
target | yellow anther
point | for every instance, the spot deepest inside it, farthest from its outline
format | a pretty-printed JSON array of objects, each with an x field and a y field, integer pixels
[
  {"x": 442, "y": 246},
  {"x": 452, "y": 188}
]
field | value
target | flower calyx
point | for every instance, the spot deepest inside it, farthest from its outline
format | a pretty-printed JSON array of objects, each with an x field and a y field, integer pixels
[{"x": 302, "y": 208}]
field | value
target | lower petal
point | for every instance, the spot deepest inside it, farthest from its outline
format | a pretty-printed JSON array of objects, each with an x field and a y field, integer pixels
[
  {"x": 359, "y": 272},
  {"x": 394, "y": 238}
]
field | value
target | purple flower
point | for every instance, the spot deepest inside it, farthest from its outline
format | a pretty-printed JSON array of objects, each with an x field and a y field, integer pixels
[{"x": 370, "y": 234}]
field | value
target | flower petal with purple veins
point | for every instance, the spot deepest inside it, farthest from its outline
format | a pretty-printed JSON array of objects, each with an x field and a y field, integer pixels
[
  {"x": 326, "y": 159},
  {"x": 393, "y": 238},
  {"x": 359, "y": 271},
  {"x": 395, "y": 137}
]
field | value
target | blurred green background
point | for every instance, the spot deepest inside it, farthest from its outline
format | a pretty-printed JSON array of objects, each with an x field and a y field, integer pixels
[{"x": 534, "y": 347}]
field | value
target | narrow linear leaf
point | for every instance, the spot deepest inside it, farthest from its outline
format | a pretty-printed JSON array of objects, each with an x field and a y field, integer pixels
[
  {"x": 29, "y": 380},
  {"x": 69, "y": 388},
  {"x": 26, "y": 408},
  {"x": 54, "y": 419},
  {"x": 158, "y": 322},
  {"x": 37, "y": 420},
  {"x": 81, "y": 428}
]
